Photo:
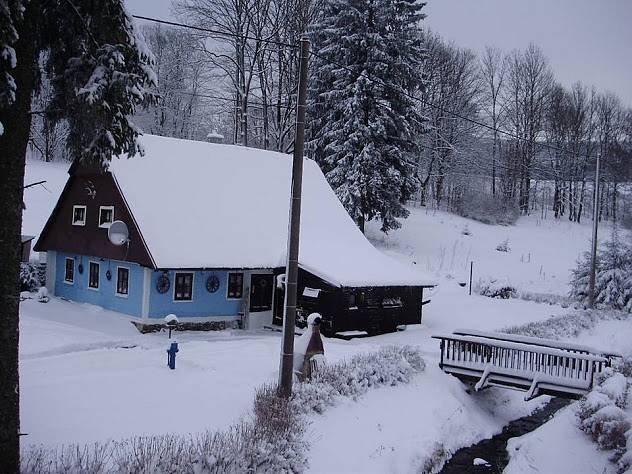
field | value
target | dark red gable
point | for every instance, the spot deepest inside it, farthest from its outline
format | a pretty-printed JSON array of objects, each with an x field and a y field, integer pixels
[{"x": 92, "y": 189}]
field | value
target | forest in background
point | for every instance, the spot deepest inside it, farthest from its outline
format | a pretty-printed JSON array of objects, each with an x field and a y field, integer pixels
[{"x": 240, "y": 89}]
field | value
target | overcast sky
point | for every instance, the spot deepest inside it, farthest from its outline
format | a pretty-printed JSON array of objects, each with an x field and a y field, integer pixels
[{"x": 585, "y": 40}]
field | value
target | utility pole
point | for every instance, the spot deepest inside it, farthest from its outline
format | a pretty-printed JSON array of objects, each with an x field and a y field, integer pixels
[
  {"x": 593, "y": 257},
  {"x": 294, "y": 227}
]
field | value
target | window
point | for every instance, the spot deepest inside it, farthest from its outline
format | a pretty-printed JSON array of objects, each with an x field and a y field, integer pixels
[
  {"x": 78, "y": 215},
  {"x": 69, "y": 274},
  {"x": 183, "y": 289},
  {"x": 93, "y": 277},
  {"x": 122, "y": 281},
  {"x": 235, "y": 285},
  {"x": 106, "y": 216}
]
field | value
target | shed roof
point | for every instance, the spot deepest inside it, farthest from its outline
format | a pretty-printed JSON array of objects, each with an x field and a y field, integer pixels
[{"x": 203, "y": 205}]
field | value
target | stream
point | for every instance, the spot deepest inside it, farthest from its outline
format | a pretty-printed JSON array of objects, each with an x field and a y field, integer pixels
[{"x": 494, "y": 450}]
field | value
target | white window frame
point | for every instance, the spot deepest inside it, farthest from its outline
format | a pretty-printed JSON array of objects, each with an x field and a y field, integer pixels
[
  {"x": 121, "y": 295},
  {"x": 243, "y": 276},
  {"x": 69, "y": 282},
  {"x": 94, "y": 288},
  {"x": 105, "y": 225},
  {"x": 85, "y": 214},
  {"x": 175, "y": 280}
]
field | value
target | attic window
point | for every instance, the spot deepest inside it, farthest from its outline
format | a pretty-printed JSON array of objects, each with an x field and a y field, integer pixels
[
  {"x": 78, "y": 215},
  {"x": 106, "y": 216}
]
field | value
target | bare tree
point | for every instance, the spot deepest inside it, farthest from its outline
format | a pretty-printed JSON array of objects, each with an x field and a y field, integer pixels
[
  {"x": 529, "y": 81},
  {"x": 452, "y": 90},
  {"x": 492, "y": 71}
]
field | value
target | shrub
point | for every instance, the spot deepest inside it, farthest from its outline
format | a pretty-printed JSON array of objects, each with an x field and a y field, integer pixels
[
  {"x": 488, "y": 209},
  {"x": 601, "y": 413},
  {"x": 607, "y": 426},
  {"x": 29, "y": 279},
  {"x": 496, "y": 289},
  {"x": 392, "y": 365},
  {"x": 503, "y": 246}
]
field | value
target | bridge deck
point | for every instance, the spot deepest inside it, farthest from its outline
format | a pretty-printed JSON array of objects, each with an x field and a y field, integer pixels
[{"x": 537, "y": 366}]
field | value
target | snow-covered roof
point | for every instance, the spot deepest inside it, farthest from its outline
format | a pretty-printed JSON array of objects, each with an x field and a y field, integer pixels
[{"x": 203, "y": 205}]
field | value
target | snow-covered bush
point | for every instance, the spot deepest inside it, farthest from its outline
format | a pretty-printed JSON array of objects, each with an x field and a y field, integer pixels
[
  {"x": 567, "y": 325},
  {"x": 503, "y": 246},
  {"x": 494, "y": 288},
  {"x": 613, "y": 279},
  {"x": 389, "y": 366},
  {"x": 487, "y": 209},
  {"x": 607, "y": 426},
  {"x": 601, "y": 412},
  {"x": 267, "y": 443},
  {"x": 29, "y": 279}
]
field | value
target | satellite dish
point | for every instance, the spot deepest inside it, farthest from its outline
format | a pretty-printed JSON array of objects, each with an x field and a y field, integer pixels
[{"x": 118, "y": 233}]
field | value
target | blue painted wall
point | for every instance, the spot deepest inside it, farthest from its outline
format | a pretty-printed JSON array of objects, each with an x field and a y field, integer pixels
[
  {"x": 105, "y": 296},
  {"x": 203, "y": 304}
]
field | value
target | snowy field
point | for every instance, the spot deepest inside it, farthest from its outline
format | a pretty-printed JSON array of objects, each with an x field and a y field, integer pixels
[{"x": 87, "y": 375}]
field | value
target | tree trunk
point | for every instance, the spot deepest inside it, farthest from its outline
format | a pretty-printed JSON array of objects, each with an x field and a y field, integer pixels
[{"x": 13, "y": 143}]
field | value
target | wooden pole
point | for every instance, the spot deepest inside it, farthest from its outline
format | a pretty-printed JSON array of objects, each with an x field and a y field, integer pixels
[
  {"x": 291, "y": 271},
  {"x": 471, "y": 271},
  {"x": 593, "y": 256}
]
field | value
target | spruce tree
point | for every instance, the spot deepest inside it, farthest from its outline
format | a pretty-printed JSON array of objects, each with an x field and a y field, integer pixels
[
  {"x": 613, "y": 275},
  {"x": 101, "y": 71},
  {"x": 369, "y": 55}
]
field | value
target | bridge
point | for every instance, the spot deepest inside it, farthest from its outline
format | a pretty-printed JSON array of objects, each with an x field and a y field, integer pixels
[{"x": 537, "y": 366}]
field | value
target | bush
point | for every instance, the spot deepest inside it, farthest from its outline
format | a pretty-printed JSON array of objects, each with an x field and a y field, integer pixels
[
  {"x": 488, "y": 209},
  {"x": 29, "y": 277},
  {"x": 503, "y": 246},
  {"x": 496, "y": 289},
  {"x": 601, "y": 413},
  {"x": 567, "y": 325},
  {"x": 393, "y": 365}
]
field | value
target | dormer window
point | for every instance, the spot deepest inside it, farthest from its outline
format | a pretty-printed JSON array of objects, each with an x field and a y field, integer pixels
[
  {"x": 78, "y": 215},
  {"x": 106, "y": 216}
]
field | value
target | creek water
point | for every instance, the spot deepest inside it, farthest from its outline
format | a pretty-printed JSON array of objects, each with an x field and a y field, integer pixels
[{"x": 494, "y": 450}]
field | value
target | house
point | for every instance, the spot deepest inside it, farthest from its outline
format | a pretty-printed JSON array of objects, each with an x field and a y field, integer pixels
[
  {"x": 207, "y": 241},
  {"x": 25, "y": 248}
]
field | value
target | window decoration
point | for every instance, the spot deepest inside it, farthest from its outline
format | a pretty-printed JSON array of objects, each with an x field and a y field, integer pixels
[
  {"x": 212, "y": 284},
  {"x": 183, "y": 287},
  {"x": 106, "y": 216},
  {"x": 235, "y": 285},
  {"x": 163, "y": 284},
  {"x": 122, "y": 281},
  {"x": 93, "y": 276},
  {"x": 78, "y": 215},
  {"x": 69, "y": 274}
]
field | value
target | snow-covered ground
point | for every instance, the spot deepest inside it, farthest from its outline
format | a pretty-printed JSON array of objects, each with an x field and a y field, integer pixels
[
  {"x": 88, "y": 375},
  {"x": 541, "y": 251}
]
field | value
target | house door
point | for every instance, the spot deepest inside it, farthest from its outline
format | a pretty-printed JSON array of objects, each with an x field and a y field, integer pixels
[{"x": 261, "y": 290}]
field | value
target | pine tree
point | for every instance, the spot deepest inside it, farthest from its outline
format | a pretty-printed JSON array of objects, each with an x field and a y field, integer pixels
[
  {"x": 362, "y": 131},
  {"x": 101, "y": 71},
  {"x": 613, "y": 279}
]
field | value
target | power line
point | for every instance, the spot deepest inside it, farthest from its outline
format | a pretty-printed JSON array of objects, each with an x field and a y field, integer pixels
[
  {"x": 215, "y": 32},
  {"x": 443, "y": 109},
  {"x": 254, "y": 105},
  {"x": 392, "y": 87}
]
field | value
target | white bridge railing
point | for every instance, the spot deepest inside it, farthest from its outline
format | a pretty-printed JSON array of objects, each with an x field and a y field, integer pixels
[{"x": 537, "y": 366}]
